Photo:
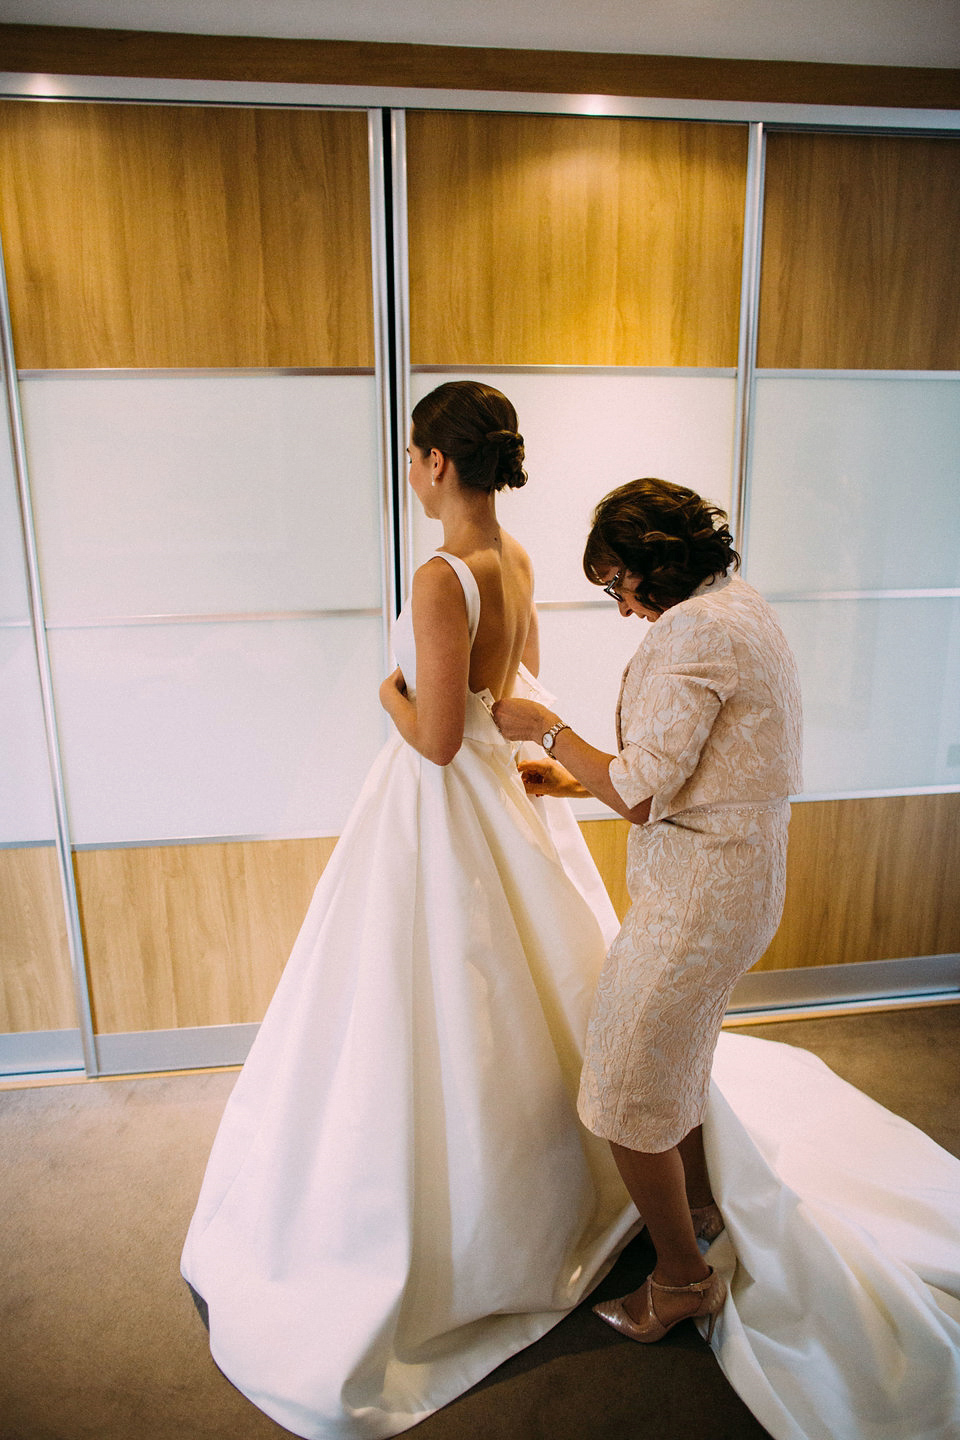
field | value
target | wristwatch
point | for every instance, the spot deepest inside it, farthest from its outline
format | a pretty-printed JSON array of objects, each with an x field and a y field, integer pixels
[{"x": 550, "y": 738}]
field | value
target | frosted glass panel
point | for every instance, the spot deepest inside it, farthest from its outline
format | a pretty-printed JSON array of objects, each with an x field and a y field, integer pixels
[
  {"x": 26, "y": 804},
  {"x": 587, "y": 433},
  {"x": 855, "y": 484},
  {"x": 583, "y": 654},
  {"x": 13, "y": 584},
  {"x": 881, "y": 691},
  {"x": 193, "y": 494},
  {"x": 249, "y": 728}
]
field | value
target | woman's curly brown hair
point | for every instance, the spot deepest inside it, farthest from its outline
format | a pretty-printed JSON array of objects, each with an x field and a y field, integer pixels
[{"x": 668, "y": 538}]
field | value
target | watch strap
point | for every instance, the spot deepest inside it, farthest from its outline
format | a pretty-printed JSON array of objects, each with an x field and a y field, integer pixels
[{"x": 550, "y": 736}]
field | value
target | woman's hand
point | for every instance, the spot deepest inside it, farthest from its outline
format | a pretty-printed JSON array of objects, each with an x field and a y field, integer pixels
[
  {"x": 393, "y": 686},
  {"x": 587, "y": 767},
  {"x": 523, "y": 719},
  {"x": 548, "y": 777}
]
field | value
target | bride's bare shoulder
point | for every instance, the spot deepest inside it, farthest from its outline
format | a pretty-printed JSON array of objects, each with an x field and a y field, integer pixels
[
  {"x": 435, "y": 582},
  {"x": 516, "y": 556}
]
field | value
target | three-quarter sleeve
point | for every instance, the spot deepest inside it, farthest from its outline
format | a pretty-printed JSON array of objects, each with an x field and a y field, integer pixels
[{"x": 690, "y": 671}]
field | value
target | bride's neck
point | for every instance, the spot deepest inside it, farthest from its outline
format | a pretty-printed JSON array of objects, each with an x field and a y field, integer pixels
[{"x": 471, "y": 523}]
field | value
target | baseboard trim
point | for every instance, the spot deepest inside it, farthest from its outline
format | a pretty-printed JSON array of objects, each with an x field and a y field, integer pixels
[
  {"x": 818, "y": 990},
  {"x": 41, "y": 1052},
  {"x": 199, "y": 1047}
]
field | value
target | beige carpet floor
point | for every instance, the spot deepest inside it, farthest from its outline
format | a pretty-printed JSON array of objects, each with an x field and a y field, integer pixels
[{"x": 99, "y": 1339}]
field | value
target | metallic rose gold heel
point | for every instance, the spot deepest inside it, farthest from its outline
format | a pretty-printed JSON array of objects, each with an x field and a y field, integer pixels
[
  {"x": 707, "y": 1221},
  {"x": 709, "y": 1293}
]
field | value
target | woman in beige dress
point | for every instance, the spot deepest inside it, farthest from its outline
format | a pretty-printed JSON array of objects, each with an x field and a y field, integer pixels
[{"x": 708, "y": 734}]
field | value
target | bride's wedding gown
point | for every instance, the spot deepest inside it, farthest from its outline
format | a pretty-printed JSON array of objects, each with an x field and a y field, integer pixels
[{"x": 400, "y": 1195}]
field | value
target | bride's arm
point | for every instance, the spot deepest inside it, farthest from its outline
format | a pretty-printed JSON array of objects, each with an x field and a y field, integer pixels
[
  {"x": 531, "y": 650},
  {"x": 433, "y": 722}
]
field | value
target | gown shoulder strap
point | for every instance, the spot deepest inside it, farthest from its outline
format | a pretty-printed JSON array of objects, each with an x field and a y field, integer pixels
[{"x": 471, "y": 589}]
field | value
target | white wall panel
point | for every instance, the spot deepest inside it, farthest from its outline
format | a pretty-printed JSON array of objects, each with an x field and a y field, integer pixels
[
  {"x": 881, "y": 691},
  {"x": 247, "y": 728},
  {"x": 583, "y": 654},
  {"x": 26, "y": 804},
  {"x": 202, "y": 494},
  {"x": 854, "y": 484},
  {"x": 586, "y": 433},
  {"x": 13, "y": 584}
]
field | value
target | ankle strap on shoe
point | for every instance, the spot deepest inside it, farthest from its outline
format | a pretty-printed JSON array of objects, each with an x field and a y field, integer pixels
[{"x": 682, "y": 1289}]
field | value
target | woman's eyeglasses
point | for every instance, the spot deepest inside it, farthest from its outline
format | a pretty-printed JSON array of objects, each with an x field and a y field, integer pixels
[{"x": 612, "y": 590}]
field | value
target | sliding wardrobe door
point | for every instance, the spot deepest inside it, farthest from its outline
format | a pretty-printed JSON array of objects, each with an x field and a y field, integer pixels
[
  {"x": 592, "y": 270},
  {"x": 191, "y": 297},
  {"x": 853, "y": 531}
]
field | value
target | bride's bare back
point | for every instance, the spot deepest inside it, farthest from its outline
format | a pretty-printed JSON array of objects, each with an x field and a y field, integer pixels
[{"x": 504, "y": 577}]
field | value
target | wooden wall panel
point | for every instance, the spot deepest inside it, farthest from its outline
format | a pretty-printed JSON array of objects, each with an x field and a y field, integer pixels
[
  {"x": 870, "y": 880},
  {"x": 36, "y": 986},
  {"x": 153, "y": 236},
  {"x": 542, "y": 240},
  {"x": 607, "y": 843},
  {"x": 866, "y": 879},
  {"x": 861, "y": 262},
  {"x": 187, "y": 935},
  {"x": 183, "y": 935}
]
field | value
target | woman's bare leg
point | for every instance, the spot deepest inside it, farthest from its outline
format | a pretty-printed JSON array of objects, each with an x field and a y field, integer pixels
[
  {"x": 656, "y": 1186},
  {"x": 699, "y": 1192}
]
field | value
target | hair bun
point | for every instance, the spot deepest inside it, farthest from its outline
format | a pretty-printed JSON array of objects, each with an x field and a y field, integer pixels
[
  {"x": 506, "y": 455},
  {"x": 476, "y": 426}
]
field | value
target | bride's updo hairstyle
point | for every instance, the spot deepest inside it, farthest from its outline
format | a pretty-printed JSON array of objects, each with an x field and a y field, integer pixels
[
  {"x": 475, "y": 426},
  {"x": 667, "y": 537}
]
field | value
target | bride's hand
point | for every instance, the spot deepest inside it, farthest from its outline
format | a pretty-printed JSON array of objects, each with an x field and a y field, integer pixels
[
  {"x": 522, "y": 719},
  {"x": 548, "y": 777},
  {"x": 393, "y": 686}
]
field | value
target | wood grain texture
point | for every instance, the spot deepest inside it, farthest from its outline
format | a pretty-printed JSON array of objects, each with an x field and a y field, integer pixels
[
  {"x": 607, "y": 843},
  {"x": 74, "y": 50},
  {"x": 36, "y": 985},
  {"x": 861, "y": 262},
  {"x": 870, "y": 880},
  {"x": 542, "y": 240},
  {"x": 866, "y": 879},
  {"x": 183, "y": 935},
  {"x": 154, "y": 236},
  {"x": 186, "y": 935}
]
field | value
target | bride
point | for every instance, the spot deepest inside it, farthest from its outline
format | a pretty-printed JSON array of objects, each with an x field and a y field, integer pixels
[{"x": 400, "y": 1194}]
